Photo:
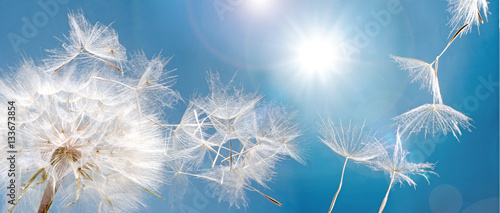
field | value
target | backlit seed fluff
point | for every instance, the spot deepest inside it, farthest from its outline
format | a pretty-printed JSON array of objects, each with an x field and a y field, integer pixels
[
  {"x": 470, "y": 12},
  {"x": 87, "y": 131}
]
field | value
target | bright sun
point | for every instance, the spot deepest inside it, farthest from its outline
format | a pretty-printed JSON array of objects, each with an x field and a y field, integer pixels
[
  {"x": 260, "y": 5},
  {"x": 316, "y": 54}
]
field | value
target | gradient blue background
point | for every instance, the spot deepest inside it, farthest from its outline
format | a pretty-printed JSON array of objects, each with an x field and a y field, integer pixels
[{"x": 364, "y": 87}]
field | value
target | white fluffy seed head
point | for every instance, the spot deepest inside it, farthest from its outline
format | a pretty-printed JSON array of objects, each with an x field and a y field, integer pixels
[
  {"x": 88, "y": 129},
  {"x": 231, "y": 140}
]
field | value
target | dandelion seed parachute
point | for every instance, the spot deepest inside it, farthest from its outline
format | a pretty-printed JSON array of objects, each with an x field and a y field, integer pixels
[
  {"x": 82, "y": 141},
  {"x": 433, "y": 118},
  {"x": 399, "y": 168},
  {"x": 352, "y": 142},
  {"x": 423, "y": 73},
  {"x": 85, "y": 41}
]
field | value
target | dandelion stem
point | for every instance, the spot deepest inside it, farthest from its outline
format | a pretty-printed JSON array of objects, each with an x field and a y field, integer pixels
[
  {"x": 387, "y": 194},
  {"x": 48, "y": 196},
  {"x": 340, "y": 186}
]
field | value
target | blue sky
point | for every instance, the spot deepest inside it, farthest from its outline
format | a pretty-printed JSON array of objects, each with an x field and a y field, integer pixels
[{"x": 261, "y": 44}]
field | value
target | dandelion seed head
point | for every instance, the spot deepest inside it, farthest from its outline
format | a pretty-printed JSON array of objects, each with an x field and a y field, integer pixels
[{"x": 85, "y": 130}]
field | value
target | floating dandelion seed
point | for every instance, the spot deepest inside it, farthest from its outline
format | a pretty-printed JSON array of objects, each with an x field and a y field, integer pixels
[
  {"x": 467, "y": 12},
  {"x": 423, "y": 73},
  {"x": 97, "y": 42},
  {"x": 352, "y": 142},
  {"x": 398, "y": 167},
  {"x": 154, "y": 84},
  {"x": 230, "y": 139},
  {"x": 433, "y": 118},
  {"x": 82, "y": 142}
]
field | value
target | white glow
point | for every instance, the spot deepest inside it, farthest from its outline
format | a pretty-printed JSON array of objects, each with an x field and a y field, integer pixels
[
  {"x": 260, "y": 5},
  {"x": 316, "y": 54}
]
